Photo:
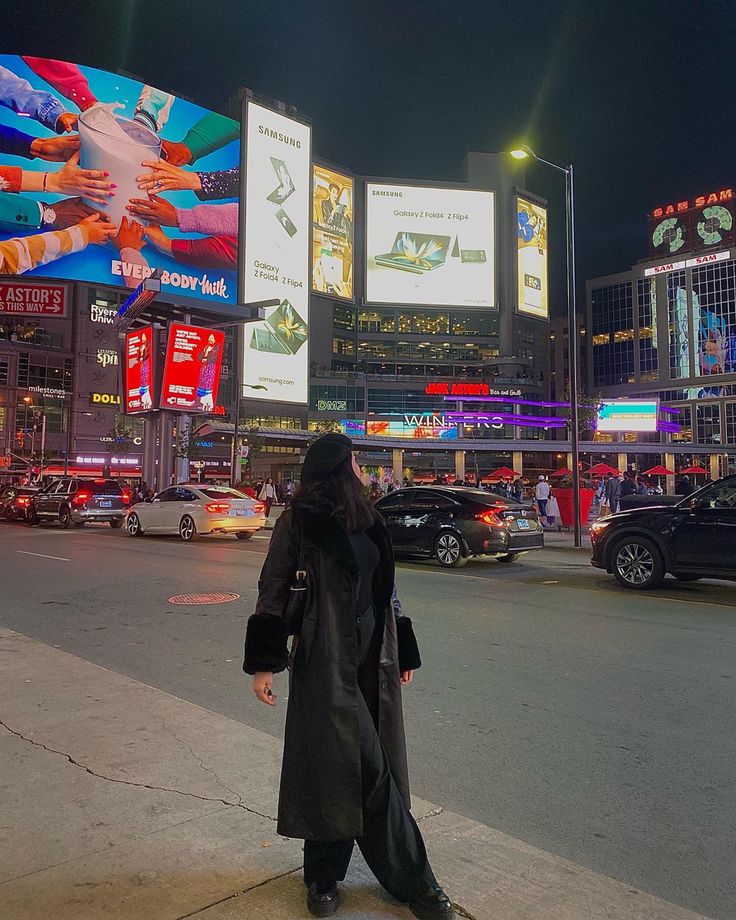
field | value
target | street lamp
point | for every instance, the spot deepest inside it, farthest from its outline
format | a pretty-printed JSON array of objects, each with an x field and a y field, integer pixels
[
  {"x": 522, "y": 152},
  {"x": 38, "y": 413}
]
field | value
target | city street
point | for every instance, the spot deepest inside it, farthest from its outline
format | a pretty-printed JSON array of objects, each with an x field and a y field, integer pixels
[{"x": 590, "y": 722}]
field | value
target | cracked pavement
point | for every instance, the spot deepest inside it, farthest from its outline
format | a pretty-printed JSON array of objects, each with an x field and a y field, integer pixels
[{"x": 155, "y": 808}]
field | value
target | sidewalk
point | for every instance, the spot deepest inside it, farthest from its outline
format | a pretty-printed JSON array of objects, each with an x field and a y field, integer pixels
[{"x": 125, "y": 803}]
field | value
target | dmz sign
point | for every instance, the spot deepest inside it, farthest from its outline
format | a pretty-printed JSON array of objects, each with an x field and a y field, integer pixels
[{"x": 332, "y": 405}]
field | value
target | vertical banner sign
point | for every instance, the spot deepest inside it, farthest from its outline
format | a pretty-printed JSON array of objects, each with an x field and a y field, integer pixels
[
  {"x": 531, "y": 259},
  {"x": 332, "y": 234},
  {"x": 138, "y": 371},
  {"x": 278, "y": 243},
  {"x": 192, "y": 368}
]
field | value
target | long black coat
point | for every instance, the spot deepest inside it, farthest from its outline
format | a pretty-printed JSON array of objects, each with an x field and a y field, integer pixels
[{"x": 320, "y": 795}]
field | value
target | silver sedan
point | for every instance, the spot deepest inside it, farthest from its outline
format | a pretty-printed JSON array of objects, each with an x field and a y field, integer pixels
[{"x": 189, "y": 511}]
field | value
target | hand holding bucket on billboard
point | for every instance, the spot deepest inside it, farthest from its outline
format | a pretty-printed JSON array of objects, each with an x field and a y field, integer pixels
[{"x": 117, "y": 146}]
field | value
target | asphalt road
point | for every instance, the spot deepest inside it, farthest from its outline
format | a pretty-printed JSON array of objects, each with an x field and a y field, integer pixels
[{"x": 592, "y": 722}]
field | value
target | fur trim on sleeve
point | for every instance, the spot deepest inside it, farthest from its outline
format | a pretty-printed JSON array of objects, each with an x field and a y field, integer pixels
[
  {"x": 265, "y": 644},
  {"x": 409, "y": 658}
]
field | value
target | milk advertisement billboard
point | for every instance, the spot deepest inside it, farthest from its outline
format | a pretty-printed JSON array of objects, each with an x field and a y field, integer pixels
[
  {"x": 278, "y": 251},
  {"x": 162, "y": 174}
]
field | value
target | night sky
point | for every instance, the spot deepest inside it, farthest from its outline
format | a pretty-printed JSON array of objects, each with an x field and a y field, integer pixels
[{"x": 638, "y": 95}]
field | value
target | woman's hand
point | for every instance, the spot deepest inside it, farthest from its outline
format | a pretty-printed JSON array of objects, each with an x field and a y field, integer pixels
[
  {"x": 155, "y": 209},
  {"x": 262, "y": 684},
  {"x": 407, "y": 677},
  {"x": 164, "y": 177},
  {"x": 89, "y": 183}
]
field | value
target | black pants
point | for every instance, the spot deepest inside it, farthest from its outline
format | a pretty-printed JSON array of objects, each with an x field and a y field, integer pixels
[{"x": 391, "y": 844}]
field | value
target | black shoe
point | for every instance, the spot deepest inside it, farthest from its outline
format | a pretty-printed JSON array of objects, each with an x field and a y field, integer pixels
[
  {"x": 432, "y": 905},
  {"x": 322, "y": 904}
]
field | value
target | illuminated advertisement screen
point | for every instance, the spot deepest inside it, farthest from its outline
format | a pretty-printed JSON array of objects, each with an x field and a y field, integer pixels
[
  {"x": 138, "y": 371},
  {"x": 278, "y": 246},
  {"x": 628, "y": 415},
  {"x": 192, "y": 369},
  {"x": 532, "y": 246},
  {"x": 433, "y": 246},
  {"x": 72, "y": 143},
  {"x": 332, "y": 233},
  {"x": 420, "y": 427}
]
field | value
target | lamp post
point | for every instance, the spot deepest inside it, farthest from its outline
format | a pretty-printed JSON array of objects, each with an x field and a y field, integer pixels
[
  {"x": 522, "y": 152},
  {"x": 38, "y": 413}
]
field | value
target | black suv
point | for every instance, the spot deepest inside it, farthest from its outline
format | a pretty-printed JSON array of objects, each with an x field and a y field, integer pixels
[
  {"x": 453, "y": 523},
  {"x": 15, "y": 501},
  {"x": 79, "y": 501},
  {"x": 696, "y": 538}
]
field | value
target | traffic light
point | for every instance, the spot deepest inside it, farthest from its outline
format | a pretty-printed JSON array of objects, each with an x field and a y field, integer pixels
[{"x": 20, "y": 437}]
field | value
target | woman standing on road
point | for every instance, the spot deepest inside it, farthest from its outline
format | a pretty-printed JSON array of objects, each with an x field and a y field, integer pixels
[
  {"x": 267, "y": 495},
  {"x": 344, "y": 773}
]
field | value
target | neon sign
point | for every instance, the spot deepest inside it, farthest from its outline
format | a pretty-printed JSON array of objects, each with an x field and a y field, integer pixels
[{"x": 725, "y": 194}]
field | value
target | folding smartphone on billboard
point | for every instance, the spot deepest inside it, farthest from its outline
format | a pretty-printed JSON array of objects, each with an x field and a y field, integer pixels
[{"x": 416, "y": 252}]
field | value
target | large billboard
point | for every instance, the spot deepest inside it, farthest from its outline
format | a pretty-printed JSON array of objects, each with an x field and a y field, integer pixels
[
  {"x": 278, "y": 242},
  {"x": 192, "y": 368},
  {"x": 427, "y": 245},
  {"x": 139, "y": 378},
  {"x": 532, "y": 247},
  {"x": 77, "y": 142},
  {"x": 332, "y": 233},
  {"x": 628, "y": 415}
]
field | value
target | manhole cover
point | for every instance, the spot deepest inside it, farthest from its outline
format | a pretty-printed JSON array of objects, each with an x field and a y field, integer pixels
[{"x": 203, "y": 598}]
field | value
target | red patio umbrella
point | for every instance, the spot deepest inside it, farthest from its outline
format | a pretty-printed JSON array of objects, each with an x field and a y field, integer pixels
[
  {"x": 694, "y": 471},
  {"x": 603, "y": 469},
  {"x": 659, "y": 471},
  {"x": 563, "y": 471},
  {"x": 503, "y": 472}
]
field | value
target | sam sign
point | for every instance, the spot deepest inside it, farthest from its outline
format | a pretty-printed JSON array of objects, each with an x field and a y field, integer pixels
[
  {"x": 138, "y": 371},
  {"x": 628, "y": 415},
  {"x": 192, "y": 369},
  {"x": 33, "y": 299}
]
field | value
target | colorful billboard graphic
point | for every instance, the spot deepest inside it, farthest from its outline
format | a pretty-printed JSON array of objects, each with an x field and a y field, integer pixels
[
  {"x": 532, "y": 246},
  {"x": 332, "y": 233},
  {"x": 427, "y": 245},
  {"x": 419, "y": 427},
  {"x": 138, "y": 371},
  {"x": 278, "y": 241},
  {"x": 73, "y": 141},
  {"x": 192, "y": 369},
  {"x": 628, "y": 415}
]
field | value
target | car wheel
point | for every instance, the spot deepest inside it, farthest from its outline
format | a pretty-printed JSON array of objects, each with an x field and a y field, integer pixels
[
  {"x": 244, "y": 534},
  {"x": 133, "y": 526},
  {"x": 448, "y": 551},
  {"x": 31, "y": 517},
  {"x": 637, "y": 563},
  {"x": 187, "y": 529},
  {"x": 684, "y": 577},
  {"x": 116, "y": 524},
  {"x": 508, "y": 557},
  {"x": 65, "y": 518}
]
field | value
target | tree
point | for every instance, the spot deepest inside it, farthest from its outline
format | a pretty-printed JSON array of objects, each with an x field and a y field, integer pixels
[
  {"x": 120, "y": 440},
  {"x": 587, "y": 411},
  {"x": 326, "y": 426}
]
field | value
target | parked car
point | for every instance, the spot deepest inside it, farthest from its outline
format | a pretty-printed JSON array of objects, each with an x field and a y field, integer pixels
[
  {"x": 14, "y": 502},
  {"x": 453, "y": 523},
  {"x": 190, "y": 511},
  {"x": 696, "y": 538},
  {"x": 79, "y": 501}
]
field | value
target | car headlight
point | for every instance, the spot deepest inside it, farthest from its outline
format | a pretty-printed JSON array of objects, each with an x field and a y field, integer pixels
[{"x": 597, "y": 526}]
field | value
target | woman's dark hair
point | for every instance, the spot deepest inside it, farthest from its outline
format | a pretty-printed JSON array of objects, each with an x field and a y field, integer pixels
[{"x": 340, "y": 493}]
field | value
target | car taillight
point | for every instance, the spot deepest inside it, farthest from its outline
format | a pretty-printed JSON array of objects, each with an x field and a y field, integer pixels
[
  {"x": 217, "y": 507},
  {"x": 81, "y": 497},
  {"x": 126, "y": 497},
  {"x": 21, "y": 500},
  {"x": 490, "y": 518},
  {"x": 259, "y": 507}
]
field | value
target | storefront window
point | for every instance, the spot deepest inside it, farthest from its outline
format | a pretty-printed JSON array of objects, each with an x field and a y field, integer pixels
[
  {"x": 44, "y": 371},
  {"x": 376, "y": 321},
  {"x": 731, "y": 423},
  {"x": 424, "y": 323},
  {"x": 343, "y": 317},
  {"x": 709, "y": 423},
  {"x": 478, "y": 322},
  {"x": 343, "y": 346},
  {"x": 685, "y": 420}
]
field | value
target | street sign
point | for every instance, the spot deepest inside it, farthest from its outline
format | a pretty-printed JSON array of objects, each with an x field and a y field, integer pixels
[{"x": 33, "y": 299}]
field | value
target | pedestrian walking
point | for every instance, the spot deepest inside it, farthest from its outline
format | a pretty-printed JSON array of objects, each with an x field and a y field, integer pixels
[
  {"x": 684, "y": 486},
  {"x": 267, "y": 495},
  {"x": 517, "y": 489},
  {"x": 611, "y": 495},
  {"x": 541, "y": 493},
  {"x": 553, "y": 512},
  {"x": 344, "y": 772}
]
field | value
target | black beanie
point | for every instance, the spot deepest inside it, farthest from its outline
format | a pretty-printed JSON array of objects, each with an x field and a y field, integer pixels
[{"x": 324, "y": 455}]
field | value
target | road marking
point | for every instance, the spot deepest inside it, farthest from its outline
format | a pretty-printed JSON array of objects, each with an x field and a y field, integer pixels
[{"x": 43, "y": 555}]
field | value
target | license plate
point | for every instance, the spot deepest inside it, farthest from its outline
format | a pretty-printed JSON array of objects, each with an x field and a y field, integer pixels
[
  {"x": 105, "y": 504},
  {"x": 242, "y": 512},
  {"x": 522, "y": 523}
]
